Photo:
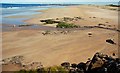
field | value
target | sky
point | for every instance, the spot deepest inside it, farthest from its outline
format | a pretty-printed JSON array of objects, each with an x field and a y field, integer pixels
[{"x": 53, "y": 1}]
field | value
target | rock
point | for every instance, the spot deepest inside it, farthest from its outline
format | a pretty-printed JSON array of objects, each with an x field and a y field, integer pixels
[{"x": 110, "y": 41}]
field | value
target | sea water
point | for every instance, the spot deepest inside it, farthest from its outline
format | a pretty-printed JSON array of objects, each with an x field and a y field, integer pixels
[{"x": 26, "y": 12}]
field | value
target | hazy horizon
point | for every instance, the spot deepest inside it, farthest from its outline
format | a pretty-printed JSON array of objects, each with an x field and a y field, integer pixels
[
  {"x": 53, "y": 1},
  {"x": 66, "y": 3}
]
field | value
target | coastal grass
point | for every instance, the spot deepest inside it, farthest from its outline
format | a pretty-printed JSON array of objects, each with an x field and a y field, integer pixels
[
  {"x": 52, "y": 69},
  {"x": 66, "y": 25},
  {"x": 60, "y": 24}
]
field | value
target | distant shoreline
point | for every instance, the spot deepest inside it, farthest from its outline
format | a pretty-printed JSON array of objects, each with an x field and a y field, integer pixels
[{"x": 7, "y": 5}]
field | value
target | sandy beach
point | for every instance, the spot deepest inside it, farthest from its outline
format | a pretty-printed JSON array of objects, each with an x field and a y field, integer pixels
[
  {"x": 84, "y": 11},
  {"x": 75, "y": 46}
]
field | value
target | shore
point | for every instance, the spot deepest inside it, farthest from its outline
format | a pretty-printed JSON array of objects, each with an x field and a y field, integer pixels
[{"x": 74, "y": 46}]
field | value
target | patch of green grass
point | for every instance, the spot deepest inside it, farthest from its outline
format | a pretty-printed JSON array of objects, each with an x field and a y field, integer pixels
[
  {"x": 26, "y": 71},
  {"x": 65, "y": 25},
  {"x": 53, "y": 69}
]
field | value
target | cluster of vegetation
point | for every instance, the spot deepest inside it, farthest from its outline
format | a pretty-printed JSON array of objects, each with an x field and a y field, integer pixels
[
  {"x": 54, "y": 69},
  {"x": 49, "y": 21},
  {"x": 112, "y": 5},
  {"x": 66, "y": 25}
]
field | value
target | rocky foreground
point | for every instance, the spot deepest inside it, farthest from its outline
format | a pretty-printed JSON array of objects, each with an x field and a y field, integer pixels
[{"x": 100, "y": 63}]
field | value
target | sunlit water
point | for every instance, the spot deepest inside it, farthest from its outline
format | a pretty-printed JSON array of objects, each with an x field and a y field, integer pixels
[{"x": 27, "y": 12}]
